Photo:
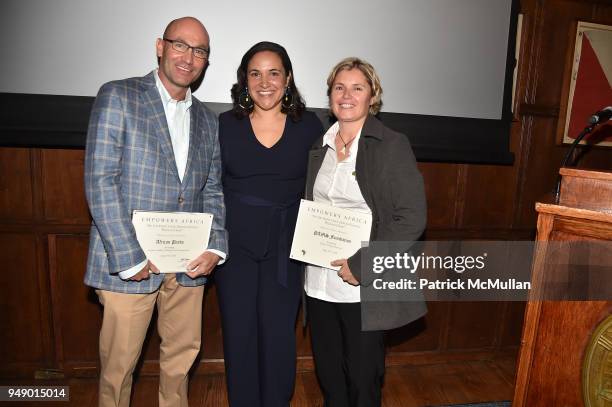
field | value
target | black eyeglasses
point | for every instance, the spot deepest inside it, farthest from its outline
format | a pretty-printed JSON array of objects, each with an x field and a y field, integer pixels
[{"x": 180, "y": 46}]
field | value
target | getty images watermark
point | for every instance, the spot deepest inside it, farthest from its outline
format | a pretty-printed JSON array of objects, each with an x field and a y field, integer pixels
[{"x": 486, "y": 271}]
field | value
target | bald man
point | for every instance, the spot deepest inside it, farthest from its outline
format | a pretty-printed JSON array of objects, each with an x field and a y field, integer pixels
[{"x": 152, "y": 146}]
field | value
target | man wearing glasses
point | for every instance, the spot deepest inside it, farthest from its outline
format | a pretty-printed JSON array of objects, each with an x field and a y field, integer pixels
[{"x": 152, "y": 146}]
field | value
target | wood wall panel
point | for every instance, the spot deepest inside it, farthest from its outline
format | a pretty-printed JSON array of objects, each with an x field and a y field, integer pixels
[
  {"x": 442, "y": 191},
  {"x": 212, "y": 334},
  {"x": 496, "y": 210},
  {"x": 597, "y": 159},
  {"x": 477, "y": 322},
  {"x": 77, "y": 313},
  {"x": 21, "y": 340},
  {"x": 62, "y": 186},
  {"x": 510, "y": 334},
  {"x": 15, "y": 185},
  {"x": 557, "y": 19},
  {"x": 544, "y": 159},
  {"x": 602, "y": 13},
  {"x": 492, "y": 212},
  {"x": 425, "y": 334}
]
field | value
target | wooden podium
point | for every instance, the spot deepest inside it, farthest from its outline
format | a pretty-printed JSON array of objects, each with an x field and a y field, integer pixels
[{"x": 556, "y": 334}]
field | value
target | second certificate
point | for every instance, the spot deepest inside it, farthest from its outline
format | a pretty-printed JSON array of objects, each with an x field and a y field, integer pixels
[{"x": 324, "y": 233}]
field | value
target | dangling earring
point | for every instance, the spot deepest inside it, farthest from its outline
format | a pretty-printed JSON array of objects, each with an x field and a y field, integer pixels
[
  {"x": 244, "y": 100},
  {"x": 288, "y": 101}
]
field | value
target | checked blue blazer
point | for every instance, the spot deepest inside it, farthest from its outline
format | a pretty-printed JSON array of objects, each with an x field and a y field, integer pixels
[{"x": 129, "y": 164}]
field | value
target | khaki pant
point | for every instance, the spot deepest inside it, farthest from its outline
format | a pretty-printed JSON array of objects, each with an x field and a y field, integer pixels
[{"x": 124, "y": 327}]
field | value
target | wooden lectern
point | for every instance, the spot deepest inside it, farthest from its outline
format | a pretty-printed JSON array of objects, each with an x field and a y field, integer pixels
[{"x": 556, "y": 334}]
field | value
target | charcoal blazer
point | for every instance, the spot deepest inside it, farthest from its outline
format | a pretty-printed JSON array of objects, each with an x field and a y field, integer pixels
[
  {"x": 130, "y": 165},
  {"x": 392, "y": 187}
]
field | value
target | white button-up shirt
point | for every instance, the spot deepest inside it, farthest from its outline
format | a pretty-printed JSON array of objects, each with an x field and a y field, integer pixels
[
  {"x": 335, "y": 185},
  {"x": 178, "y": 119}
]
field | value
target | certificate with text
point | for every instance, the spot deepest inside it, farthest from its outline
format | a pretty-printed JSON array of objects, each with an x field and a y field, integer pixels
[
  {"x": 324, "y": 233},
  {"x": 172, "y": 239}
]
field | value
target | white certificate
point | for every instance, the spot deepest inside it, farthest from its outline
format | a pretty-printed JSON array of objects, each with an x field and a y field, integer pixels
[
  {"x": 172, "y": 239},
  {"x": 324, "y": 233}
]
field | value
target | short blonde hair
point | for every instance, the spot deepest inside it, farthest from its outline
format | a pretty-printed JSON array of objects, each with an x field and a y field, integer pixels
[{"x": 368, "y": 71}]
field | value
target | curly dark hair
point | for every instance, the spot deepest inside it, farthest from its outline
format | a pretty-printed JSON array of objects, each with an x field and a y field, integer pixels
[{"x": 295, "y": 110}]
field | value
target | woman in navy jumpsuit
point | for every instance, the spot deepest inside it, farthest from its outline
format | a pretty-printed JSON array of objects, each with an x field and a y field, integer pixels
[{"x": 264, "y": 141}]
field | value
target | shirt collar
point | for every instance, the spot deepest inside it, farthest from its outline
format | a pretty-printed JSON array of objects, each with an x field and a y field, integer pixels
[
  {"x": 165, "y": 96},
  {"x": 330, "y": 136}
]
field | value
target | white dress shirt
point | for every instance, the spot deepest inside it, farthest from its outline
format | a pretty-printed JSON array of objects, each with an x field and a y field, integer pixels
[
  {"x": 335, "y": 185},
  {"x": 178, "y": 119}
]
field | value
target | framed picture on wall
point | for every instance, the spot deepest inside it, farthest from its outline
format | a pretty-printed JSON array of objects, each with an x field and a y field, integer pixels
[{"x": 587, "y": 84}]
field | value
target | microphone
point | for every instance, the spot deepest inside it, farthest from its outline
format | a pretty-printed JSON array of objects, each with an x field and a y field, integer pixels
[
  {"x": 598, "y": 118},
  {"x": 602, "y": 116}
]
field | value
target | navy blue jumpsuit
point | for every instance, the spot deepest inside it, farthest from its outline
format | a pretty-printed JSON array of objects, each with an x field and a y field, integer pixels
[{"x": 259, "y": 287}]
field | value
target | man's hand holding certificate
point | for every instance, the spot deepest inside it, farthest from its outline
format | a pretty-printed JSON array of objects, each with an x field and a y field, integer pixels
[
  {"x": 324, "y": 233},
  {"x": 172, "y": 239}
]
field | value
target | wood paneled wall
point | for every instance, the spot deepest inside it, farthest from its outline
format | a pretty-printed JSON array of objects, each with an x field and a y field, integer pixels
[
  {"x": 53, "y": 319},
  {"x": 50, "y": 320}
]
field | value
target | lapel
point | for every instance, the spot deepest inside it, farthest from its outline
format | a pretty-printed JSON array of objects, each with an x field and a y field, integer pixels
[
  {"x": 365, "y": 163},
  {"x": 194, "y": 140},
  {"x": 154, "y": 110},
  {"x": 315, "y": 160}
]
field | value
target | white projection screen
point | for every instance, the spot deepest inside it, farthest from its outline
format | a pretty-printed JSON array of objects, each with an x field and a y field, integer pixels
[{"x": 436, "y": 58}]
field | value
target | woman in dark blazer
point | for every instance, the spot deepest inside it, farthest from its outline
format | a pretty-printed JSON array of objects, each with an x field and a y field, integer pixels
[{"x": 359, "y": 164}]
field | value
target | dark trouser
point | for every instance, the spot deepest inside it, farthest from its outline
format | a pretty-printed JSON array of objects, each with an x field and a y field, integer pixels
[
  {"x": 258, "y": 317},
  {"x": 350, "y": 363}
]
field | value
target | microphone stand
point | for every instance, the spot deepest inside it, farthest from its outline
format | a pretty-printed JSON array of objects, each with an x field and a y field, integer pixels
[{"x": 588, "y": 129}]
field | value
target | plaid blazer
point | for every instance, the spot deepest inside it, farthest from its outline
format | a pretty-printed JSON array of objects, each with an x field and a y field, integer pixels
[{"x": 129, "y": 164}]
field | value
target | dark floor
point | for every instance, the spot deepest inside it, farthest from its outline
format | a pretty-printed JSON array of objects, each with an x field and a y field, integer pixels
[{"x": 413, "y": 386}]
